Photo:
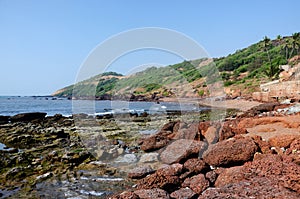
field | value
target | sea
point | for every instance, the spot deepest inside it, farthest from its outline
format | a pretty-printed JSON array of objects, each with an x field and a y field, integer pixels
[{"x": 12, "y": 105}]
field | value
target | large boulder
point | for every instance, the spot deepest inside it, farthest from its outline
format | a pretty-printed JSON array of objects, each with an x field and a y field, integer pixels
[
  {"x": 155, "y": 142},
  {"x": 152, "y": 193},
  {"x": 183, "y": 193},
  {"x": 195, "y": 166},
  {"x": 140, "y": 172},
  {"x": 27, "y": 117},
  {"x": 180, "y": 150},
  {"x": 268, "y": 166},
  {"x": 260, "y": 187},
  {"x": 166, "y": 178},
  {"x": 197, "y": 183},
  {"x": 283, "y": 140},
  {"x": 230, "y": 152}
]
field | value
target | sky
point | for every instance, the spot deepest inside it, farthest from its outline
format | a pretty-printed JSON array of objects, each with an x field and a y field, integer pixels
[{"x": 43, "y": 44}]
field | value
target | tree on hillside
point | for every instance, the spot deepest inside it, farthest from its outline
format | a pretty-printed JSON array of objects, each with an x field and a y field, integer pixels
[
  {"x": 295, "y": 43},
  {"x": 272, "y": 70},
  {"x": 286, "y": 46}
]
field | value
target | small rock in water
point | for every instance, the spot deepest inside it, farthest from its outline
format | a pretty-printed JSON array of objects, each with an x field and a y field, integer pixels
[
  {"x": 149, "y": 157},
  {"x": 128, "y": 158},
  {"x": 140, "y": 172}
]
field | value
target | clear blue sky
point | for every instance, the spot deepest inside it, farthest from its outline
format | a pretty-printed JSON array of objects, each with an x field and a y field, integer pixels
[{"x": 43, "y": 43}]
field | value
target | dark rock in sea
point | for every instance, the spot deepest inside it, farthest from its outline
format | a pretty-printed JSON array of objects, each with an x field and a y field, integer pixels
[
  {"x": 27, "y": 117},
  {"x": 152, "y": 193},
  {"x": 197, "y": 183},
  {"x": 230, "y": 152},
  {"x": 4, "y": 119},
  {"x": 266, "y": 107},
  {"x": 183, "y": 193},
  {"x": 180, "y": 150}
]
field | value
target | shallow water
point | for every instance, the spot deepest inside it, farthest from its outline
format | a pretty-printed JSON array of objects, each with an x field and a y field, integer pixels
[{"x": 11, "y": 105}]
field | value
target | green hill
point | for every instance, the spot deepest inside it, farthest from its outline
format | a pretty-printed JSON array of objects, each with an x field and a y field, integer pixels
[{"x": 245, "y": 70}]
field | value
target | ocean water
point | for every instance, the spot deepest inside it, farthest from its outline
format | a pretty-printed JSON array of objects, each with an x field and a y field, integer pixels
[{"x": 11, "y": 105}]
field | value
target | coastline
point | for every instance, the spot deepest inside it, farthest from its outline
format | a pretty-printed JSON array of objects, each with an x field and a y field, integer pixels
[{"x": 81, "y": 150}]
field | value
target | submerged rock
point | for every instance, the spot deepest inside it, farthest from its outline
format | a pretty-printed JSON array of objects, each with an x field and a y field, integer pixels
[{"x": 26, "y": 117}]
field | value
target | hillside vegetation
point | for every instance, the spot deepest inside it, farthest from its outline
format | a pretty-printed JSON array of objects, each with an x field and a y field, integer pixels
[{"x": 244, "y": 70}]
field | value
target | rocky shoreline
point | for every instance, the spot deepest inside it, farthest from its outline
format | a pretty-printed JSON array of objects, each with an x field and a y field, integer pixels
[{"x": 252, "y": 154}]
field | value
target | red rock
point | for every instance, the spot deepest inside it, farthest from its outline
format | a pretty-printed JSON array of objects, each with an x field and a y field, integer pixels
[
  {"x": 203, "y": 126},
  {"x": 180, "y": 150},
  {"x": 165, "y": 178},
  {"x": 229, "y": 176},
  {"x": 211, "y": 176},
  {"x": 195, "y": 165},
  {"x": 282, "y": 140},
  {"x": 230, "y": 152},
  {"x": 264, "y": 146},
  {"x": 286, "y": 174},
  {"x": 197, "y": 183},
  {"x": 169, "y": 126},
  {"x": 226, "y": 131},
  {"x": 260, "y": 187},
  {"x": 187, "y": 133},
  {"x": 140, "y": 172},
  {"x": 155, "y": 142},
  {"x": 183, "y": 193},
  {"x": 152, "y": 193},
  {"x": 125, "y": 195}
]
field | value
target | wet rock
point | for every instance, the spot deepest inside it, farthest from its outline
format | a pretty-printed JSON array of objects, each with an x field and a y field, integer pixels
[
  {"x": 195, "y": 165},
  {"x": 152, "y": 193},
  {"x": 149, "y": 157},
  {"x": 26, "y": 117},
  {"x": 180, "y": 150},
  {"x": 15, "y": 173},
  {"x": 266, "y": 107},
  {"x": 165, "y": 178},
  {"x": 127, "y": 158},
  {"x": 282, "y": 140},
  {"x": 4, "y": 119},
  {"x": 44, "y": 177},
  {"x": 230, "y": 152},
  {"x": 140, "y": 172},
  {"x": 197, "y": 183},
  {"x": 183, "y": 193}
]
